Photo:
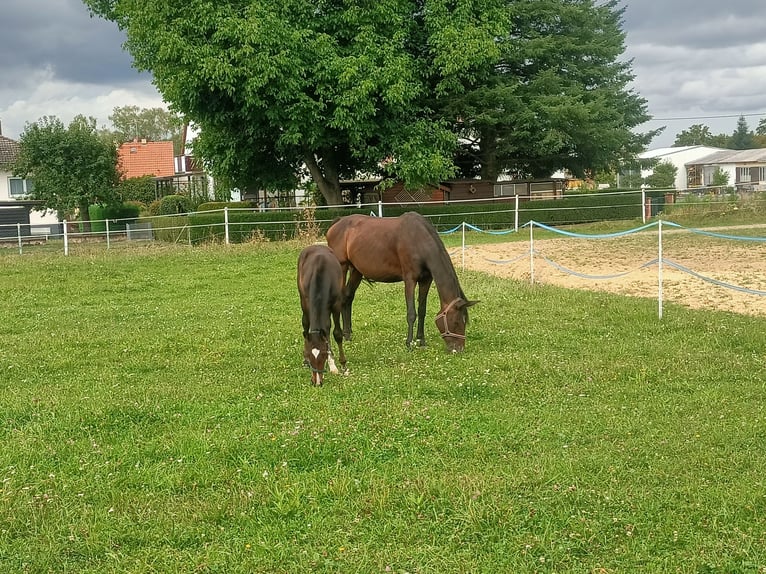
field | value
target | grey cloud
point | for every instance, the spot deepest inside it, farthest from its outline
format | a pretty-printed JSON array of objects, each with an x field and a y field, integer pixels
[{"x": 41, "y": 34}]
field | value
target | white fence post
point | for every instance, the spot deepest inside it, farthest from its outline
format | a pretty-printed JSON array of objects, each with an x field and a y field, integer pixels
[
  {"x": 108, "y": 245},
  {"x": 659, "y": 267},
  {"x": 18, "y": 231},
  {"x": 226, "y": 224},
  {"x": 380, "y": 208},
  {"x": 66, "y": 237},
  {"x": 463, "y": 224},
  {"x": 531, "y": 253},
  {"x": 516, "y": 214},
  {"x": 643, "y": 205}
]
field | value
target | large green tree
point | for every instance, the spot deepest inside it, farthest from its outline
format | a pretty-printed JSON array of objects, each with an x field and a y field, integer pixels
[
  {"x": 155, "y": 124},
  {"x": 556, "y": 95},
  {"x": 742, "y": 138},
  {"x": 71, "y": 166},
  {"x": 280, "y": 84},
  {"x": 697, "y": 134},
  {"x": 389, "y": 86}
]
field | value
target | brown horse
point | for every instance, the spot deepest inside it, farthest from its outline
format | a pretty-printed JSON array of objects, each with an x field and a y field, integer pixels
[
  {"x": 405, "y": 248},
  {"x": 320, "y": 286}
]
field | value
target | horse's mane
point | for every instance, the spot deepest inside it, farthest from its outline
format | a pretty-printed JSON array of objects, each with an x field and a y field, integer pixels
[{"x": 443, "y": 257}]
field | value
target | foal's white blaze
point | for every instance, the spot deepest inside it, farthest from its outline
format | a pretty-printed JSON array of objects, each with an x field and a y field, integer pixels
[{"x": 315, "y": 352}]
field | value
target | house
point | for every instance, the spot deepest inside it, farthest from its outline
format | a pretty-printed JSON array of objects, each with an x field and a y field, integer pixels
[
  {"x": 678, "y": 157},
  {"x": 745, "y": 168},
  {"x": 141, "y": 157},
  {"x": 172, "y": 174},
  {"x": 15, "y": 208}
]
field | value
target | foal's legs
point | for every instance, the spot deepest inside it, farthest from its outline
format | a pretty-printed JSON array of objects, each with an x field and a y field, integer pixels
[
  {"x": 349, "y": 290},
  {"x": 306, "y": 325}
]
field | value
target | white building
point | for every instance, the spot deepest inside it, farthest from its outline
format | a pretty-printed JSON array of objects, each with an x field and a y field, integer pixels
[
  {"x": 680, "y": 157},
  {"x": 14, "y": 207}
]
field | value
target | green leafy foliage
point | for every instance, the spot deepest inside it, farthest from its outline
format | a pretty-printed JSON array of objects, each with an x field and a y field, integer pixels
[
  {"x": 663, "y": 176},
  {"x": 141, "y": 189},
  {"x": 170, "y": 205},
  {"x": 155, "y": 124},
  {"x": 119, "y": 216},
  {"x": 556, "y": 95},
  {"x": 390, "y": 87},
  {"x": 72, "y": 166}
]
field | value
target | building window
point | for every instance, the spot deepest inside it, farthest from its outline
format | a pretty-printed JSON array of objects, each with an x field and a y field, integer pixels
[
  {"x": 743, "y": 175},
  {"x": 18, "y": 187},
  {"x": 509, "y": 189},
  {"x": 762, "y": 174}
]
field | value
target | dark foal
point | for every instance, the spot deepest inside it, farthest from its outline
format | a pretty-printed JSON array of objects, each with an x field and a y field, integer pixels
[{"x": 320, "y": 285}]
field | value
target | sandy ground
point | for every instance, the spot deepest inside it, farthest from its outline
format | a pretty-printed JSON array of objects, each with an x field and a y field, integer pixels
[{"x": 734, "y": 262}]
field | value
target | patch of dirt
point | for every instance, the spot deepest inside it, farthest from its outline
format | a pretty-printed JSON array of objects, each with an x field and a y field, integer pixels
[{"x": 627, "y": 265}]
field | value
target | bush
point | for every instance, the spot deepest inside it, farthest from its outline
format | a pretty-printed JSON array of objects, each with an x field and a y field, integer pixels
[
  {"x": 119, "y": 215},
  {"x": 140, "y": 189},
  {"x": 170, "y": 205}
]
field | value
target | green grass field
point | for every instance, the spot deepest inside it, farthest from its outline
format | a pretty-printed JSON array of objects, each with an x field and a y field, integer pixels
[{"x": 155, "y": 417}]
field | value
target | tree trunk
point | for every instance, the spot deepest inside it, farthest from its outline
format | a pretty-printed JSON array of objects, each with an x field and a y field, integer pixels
[
  {"x": 488, "y": 155},
  {"x": 325, "y": 175},
  {"x": 85, "y": 217}
]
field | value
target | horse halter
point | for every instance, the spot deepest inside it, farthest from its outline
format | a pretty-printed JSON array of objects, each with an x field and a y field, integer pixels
[
  {"x": 443, "y": 315},
  {"x": 314, "y": 369}
]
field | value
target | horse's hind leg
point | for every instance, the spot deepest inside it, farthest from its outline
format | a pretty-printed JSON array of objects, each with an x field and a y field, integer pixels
[
  {"x": 423, "y": 288},
  {"x": 349, "y": 291},
  {"x": 337, "y": 334}
]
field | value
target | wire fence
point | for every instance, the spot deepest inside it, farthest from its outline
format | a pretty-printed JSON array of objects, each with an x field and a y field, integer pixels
[
  {"x": 661, "y": 262},
  {"x": 180, "y": 229},
  {"x": 235, "y": 224}
]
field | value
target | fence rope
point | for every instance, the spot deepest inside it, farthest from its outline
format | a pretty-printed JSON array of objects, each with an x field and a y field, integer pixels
[{"x": 594, "y": 277}]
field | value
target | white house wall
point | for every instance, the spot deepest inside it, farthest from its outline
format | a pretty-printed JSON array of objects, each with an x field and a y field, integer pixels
[
  {"x": 678, "y": 157},
  {"x": 46, "y": 217}
]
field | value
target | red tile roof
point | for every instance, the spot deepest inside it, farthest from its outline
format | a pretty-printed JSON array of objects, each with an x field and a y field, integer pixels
[
  {"x": 9, "y": 151},
  {"x": 138, "y": 158}
]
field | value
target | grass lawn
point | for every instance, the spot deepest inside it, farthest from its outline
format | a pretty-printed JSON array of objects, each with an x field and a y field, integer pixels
[{"x": 155, "y": 417}]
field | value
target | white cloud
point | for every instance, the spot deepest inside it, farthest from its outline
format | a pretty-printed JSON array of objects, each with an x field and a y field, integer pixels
[{"x": 49, "y": 96}]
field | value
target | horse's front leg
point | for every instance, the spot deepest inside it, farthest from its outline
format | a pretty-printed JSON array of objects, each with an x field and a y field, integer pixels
[
  {"x": 306, "y": 325},
  {"x": 409, "y": 298},
  {"x": 349, "y": 291},
  {"x": 423, "y": 288}
]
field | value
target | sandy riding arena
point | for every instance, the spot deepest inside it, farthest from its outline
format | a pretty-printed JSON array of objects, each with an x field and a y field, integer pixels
[{"x": 624, "y": 265}]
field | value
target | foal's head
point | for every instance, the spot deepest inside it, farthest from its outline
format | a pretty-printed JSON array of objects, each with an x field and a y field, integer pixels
[{"x": 316, "y": 350}]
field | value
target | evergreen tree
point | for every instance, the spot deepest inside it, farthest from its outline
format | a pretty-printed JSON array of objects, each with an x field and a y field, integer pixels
[{"x": 742, "y": 138}]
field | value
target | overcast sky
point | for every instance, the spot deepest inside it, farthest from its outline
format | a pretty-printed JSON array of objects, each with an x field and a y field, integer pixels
[{"x": 696, "y": 61}]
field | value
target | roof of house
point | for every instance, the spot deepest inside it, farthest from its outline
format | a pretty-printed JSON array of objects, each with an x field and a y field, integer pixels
[
  {"x": 734, "y": 156},
  {"x": 139, "y": 158},
  {"x": 669, "y": 151},
  {"x": 9, "y": 151}
]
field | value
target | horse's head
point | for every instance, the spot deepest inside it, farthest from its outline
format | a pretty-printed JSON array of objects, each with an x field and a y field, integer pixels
[
  {"x": 316, "y": 350},
  {"x": 451, "y": 322}
]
